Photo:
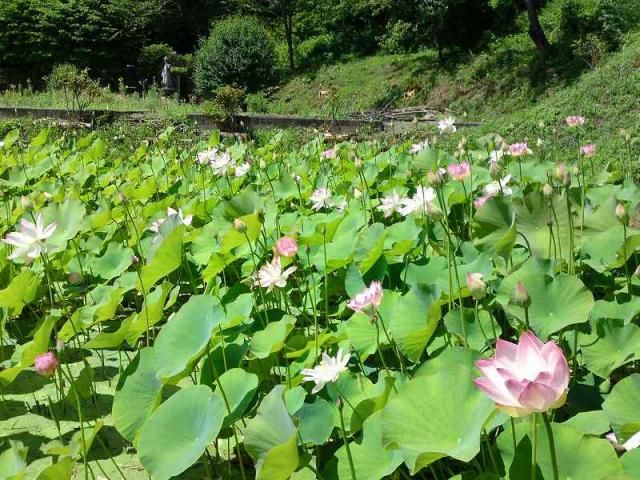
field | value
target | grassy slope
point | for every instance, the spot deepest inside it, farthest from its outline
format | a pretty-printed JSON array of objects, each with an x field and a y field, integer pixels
[
  {"x": 356, "y": 85},
  {"x": 507, "y": 87}
]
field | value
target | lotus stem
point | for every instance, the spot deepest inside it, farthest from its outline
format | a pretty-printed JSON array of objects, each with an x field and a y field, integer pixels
[{"x": 552, "y": 445}]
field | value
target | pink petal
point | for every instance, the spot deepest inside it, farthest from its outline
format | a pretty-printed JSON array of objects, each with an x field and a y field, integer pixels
[
  {"x": 529, "y": 356},
  {"x": 538, "y": 397},
  {"x": 506, "y": 352},
  {"x": 497, "y": 393}
]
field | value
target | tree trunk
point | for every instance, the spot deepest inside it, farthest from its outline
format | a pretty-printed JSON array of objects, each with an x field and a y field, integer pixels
[
  {"x": 288, "y": 31},
  {"x": 535, "y": 29}
]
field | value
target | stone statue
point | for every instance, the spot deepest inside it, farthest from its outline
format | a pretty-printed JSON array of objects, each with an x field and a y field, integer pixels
[{"x": 166, "y": 75}]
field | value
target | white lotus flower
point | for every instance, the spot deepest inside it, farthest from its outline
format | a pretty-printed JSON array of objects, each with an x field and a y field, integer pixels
[
  {"x": 391, "y": 203},
  {"x": 242, "y": 169},
  {"x": 320, "y": 198},
  {"x": 174, "y": 218},
  {"x": 499, "y": 187},
  {"x": 29, "y": 239},
  {"x": 207, "y": 156},
  {"x": 327, "y": 371},
  {"x": 447, "y": 125},
  {"x": 496, "y": 156},
  {"x": 271, "y": 275},
  {"x": 418, "y": 147},
  {"x": 339, "y": 205},
  {"x": 421, "y": 202},
  {"x": 221, "y": 163},
  {"x": 631, "y": 444}
]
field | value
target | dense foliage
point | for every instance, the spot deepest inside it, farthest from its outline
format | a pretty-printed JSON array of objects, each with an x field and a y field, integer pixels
[
  {"x": 105, "y": 36},
  {"x": 239, "y": 52},
  {"x": 239, "y": 311}
]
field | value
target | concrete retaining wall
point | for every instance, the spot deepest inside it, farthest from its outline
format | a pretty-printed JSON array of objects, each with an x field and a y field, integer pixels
[{"x": 242, "y": 122}]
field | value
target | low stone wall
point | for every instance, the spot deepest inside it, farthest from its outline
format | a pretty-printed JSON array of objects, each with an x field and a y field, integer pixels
[
  {"x": 242, "y": 122},
  {"x": 90, "y": 116}
]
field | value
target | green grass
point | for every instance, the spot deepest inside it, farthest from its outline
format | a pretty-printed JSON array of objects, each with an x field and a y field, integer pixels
[
  {"x": 153, "y": 102},
  {"x": 507, "y": 86},
  {"x": 353, "y": 85}
]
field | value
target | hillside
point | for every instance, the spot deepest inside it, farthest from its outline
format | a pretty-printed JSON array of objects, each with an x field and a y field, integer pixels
[{"x": 507, "y": 83}]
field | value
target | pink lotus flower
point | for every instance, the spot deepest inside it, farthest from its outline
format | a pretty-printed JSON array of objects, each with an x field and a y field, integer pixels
[
  {"x": 459, "y": 171},
  {"x": 588, "y": 150},
  {"x": 476, "y": 285},
  {"x": 575, "y": 121},
  {"x": 329, "y": 154},
  {"x": 480, "y": 201},
  {"x": 525, "y": 378},
  {"x": 368, "y": 300},
  {"x": 519, "y": 149},
  {"x": 46, "y": 364},
  {"x": 286, "y": 247}
]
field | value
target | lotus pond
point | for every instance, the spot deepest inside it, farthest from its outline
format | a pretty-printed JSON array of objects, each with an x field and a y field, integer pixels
[{"x": 210, "y": 309}]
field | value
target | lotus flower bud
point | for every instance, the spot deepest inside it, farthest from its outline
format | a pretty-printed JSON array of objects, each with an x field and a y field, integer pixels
[
  {"x": 46, "y": 364},
  {"x": 621, "y": 213},
  {"x": 286, "y": 247},
  {"x": 240, "y": 225},
  {"x": 476, "y": 285},
  {"x": 357, "y": 194},
  {"x": 26, "y": 203},
  {"x": 435, "y": 179},
  {"x": 434, "y": 212},
  {"x": 547, "y": 191},
  {"x": 75, "y": 278},
  {"x": 525, "y": 378},
  {"x": 59, "y": 345},
  {"x": 520, "y": 296},
  {"x": 575, "y": 170},
  {"x": 562, "y": 174}
]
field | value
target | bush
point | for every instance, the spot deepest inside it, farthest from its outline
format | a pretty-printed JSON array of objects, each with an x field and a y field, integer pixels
[
  {"x": 257, "y": 103},
  {"x": 320, "y": 49},
  {"x": 401, "y": 38},
  {"x": 228, "y": 101},
  {"x": 77, "y": 86},
  {"x": 238, "y": 52}
]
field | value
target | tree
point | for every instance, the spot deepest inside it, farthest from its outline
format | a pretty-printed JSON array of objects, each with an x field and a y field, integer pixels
[
  {"x": 536, "y": 32},
  {"x": 280, "y": 12},
  {"x": 532, "y": 7}
]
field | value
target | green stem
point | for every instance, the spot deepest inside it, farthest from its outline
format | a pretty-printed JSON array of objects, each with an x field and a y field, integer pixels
[
  {"x": 76, "y": 395},
  {"x": 346, "y": 444},
  {"x": 552, "y": 445},
  {"x": 534, "y": 446}
]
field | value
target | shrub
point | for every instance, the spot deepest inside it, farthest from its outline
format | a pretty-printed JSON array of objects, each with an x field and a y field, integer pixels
[
  {"x": 319, "y": 49},
  {"x": 401, "y": 38},
  {"x": 257, "y": 103},
  {"x": 228, "y": 101},
  {"x": 77, "y": 86},
  {"x": 238, "y": 52}
]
